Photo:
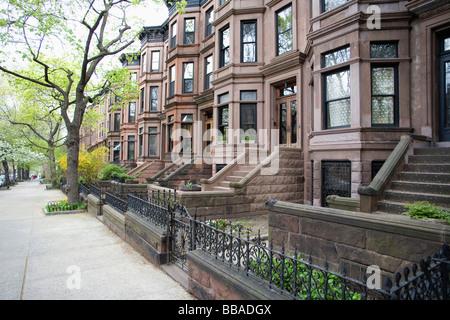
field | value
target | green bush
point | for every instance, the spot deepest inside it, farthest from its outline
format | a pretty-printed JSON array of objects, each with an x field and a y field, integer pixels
[
  {"x": 113, "y": 170},
  {"x": 65, "y": 206},
  {"x": 425, "y": 210}
]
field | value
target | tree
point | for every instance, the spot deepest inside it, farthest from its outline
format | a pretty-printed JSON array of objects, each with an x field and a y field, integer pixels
[
  {"x": 38, "y": 27},
  {"x": 28, "y": 109}
]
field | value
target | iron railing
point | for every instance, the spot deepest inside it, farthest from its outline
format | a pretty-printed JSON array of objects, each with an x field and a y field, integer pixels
[
  {"x": 84, "y": 189},
  {"x": 116, "y": 202},
  {"x": 291, "y": 274}
]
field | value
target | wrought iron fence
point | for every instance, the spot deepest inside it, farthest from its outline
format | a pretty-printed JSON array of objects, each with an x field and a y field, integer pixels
[
  {"x": 84, "y": 189},
  {"x": 291, "y": 274},
  {"x": 116, "y": 202},
  {"x": 95, "y": 191}
]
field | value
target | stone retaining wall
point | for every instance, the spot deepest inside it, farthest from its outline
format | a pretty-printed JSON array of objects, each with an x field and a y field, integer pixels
[{"x": 353, "y": 239}]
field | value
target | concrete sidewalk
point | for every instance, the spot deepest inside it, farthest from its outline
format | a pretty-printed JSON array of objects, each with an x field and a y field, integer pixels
[{"x": 70, "y": 256}]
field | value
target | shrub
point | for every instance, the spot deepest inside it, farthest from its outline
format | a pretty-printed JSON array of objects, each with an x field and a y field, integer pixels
[
  {"x": 65, "y": 206},
  {"x": 113, "y": 170},
  {"x": 425, "y": 210}
]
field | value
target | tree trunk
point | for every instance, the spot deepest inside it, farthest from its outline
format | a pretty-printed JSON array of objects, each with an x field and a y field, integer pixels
[
  {"x": 6, "y": 168},
  {"x": 51, "y": 156},
  {"x": 73, "y": 145}
]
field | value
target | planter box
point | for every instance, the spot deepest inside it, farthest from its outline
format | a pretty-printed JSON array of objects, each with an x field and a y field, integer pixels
[
  {"x": 193, "y": 188},
  {"x": 48, "y": 213}
]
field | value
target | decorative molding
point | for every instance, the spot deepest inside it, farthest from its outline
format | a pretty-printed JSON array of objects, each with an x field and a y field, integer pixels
[
  {"x": 284, "y": 62},
  {"x": 236, "y": 12}
]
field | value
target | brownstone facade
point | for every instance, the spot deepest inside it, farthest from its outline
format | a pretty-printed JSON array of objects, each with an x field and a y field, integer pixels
[{"x": 339, "y": 80}]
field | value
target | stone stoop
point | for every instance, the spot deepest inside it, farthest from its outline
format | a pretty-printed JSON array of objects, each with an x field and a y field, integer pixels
[
  {"x": 425, "y": 177},
  {"x": 148, "y": 169}
]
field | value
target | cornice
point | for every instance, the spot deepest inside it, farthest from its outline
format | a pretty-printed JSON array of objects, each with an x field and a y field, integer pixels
[
  {"x": 284, "y": 62},
  {"x": 236, "y": 12}
]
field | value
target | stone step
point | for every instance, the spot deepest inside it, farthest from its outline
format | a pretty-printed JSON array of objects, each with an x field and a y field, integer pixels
[
  {"x": 429, "y": 159},
  {"x": 434, "y": 168},
  {"x": 393, "y": 207},
  {"x": 432, "y": 151},
  {"x": 404, "y": 196},
  {"x": 421, "y": 187},
  {"x": 235, "y": 178},
  {"x": 424, "y": 177}
]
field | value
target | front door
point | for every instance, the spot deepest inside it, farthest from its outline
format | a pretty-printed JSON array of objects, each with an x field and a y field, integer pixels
[
  {"x": 287, "y": 115},
  {"x": 444, "y": 89}
]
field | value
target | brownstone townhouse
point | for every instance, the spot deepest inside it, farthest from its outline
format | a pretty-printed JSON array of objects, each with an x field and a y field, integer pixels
[{"x": 329, "y": 86}]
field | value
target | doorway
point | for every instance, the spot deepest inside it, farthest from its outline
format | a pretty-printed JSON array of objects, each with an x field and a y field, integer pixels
[
  {"x": 287, "y": 115},
  {"x": 444, "y": 87}
]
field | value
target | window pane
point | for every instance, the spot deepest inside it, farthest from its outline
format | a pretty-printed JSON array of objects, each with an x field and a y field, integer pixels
[
  {"x": 223, "y": 98},
  {"x": 152, "y": 145},
  {"x": 248, "y": 95},
  {"x": 284, "y": 19},
  {"x": 189, "y": 25},
  {"x": 336, "y": 57},
  {"x": 284, "y": 30},
  {"x": 249, "y": 52},
  {"x": 132, "y": 112},
  {"x": 248, "y": 114},
  {"x": 152, "y": 129},
  {"x": 383, "y": 81},
  {"x": 382, "y": 110},
  {"x": 226, "y": 38},
  {"x": 187, "y": 117},
  {"x": 249, "y": 32},
  {"x": 155, "y": 61},
  {"x": 188, "y": 71},
  {"x": 447, "y": 44},
  {"x": 339, "y": 113},
  {"x": 338, "y": 85},
  {"x": 331, "y": 4},
  {"x": 209, "y": 64},
  {"x": 383, "y": 50},
  {"x": 153, "y": 98}
]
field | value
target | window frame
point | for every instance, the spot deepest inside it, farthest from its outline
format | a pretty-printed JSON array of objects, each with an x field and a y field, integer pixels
[
  {"x": 173, "y": 38},
  {"x": 130, "y": 117},
  {"x": 244, "y": 22},
  {"x": 223, "y": 49},
  {"x": 209, "y": 28},
  {"x": 172, "y": 76},
  {"x": 185, "y": 64},
  {"x": 156, "y": 88},
  {"x": 208, "y": 76},
  {"x": 325, "y": 103},
  {"x": 153, "y": 60},
  {"x": 142, "y": 98},
  {"x": 277, "y": 31},
  {"x": 152, "y": 134},
  {"x": 395, "y": 95},
  {"x": 323, "y": 9},
  {"x": 189, "y": 34}
]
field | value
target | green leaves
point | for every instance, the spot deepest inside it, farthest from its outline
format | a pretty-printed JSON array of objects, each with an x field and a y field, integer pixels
[{"x": 425, "y": 210}]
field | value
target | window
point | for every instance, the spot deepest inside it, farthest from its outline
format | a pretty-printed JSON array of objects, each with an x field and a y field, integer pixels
[
  {"x": 152, "y": 141},
  {"x": 153, "y": 98},
  {"x": 209, "y": 18},
  {"x": 284, "y": 30},
  {"x": 384, "y": 50},
  {"x": 186, "y": 127},
  {"x": 172, "y": 81},
  {"x": 188, "y": 77},
  {"x": 336, "y": 179},
  {"x": 384, "y": 95},
  {"x": 208, "y": 71},
  {"x": 144, "y": 63},
  {"x": 131, "y": 142},
  {"x": 223, "y": 122},
  {"x": 331, "y": 4},
  {"x": 142, "y": 99},
  {"x": 132, "y": 112},
  {"x": 141, "y": 142},
  {"x": 225, "y": 46},
  {"x": 248, "y": 95},
  {"x": 116, "y": 121},
  {"x": 248, "y": 119},
  {"x": 189, "y": 31},
  {"x": 336, "y": 57},
  {"x": 173, "y": 40},
  {"x": 337, "y": 99},
  {"x": 248, "y": 42},
  {"x": 155, "y": 61}
]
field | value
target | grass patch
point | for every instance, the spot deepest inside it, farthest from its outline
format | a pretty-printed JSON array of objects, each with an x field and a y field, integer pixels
[{"x": 425, "y": 210}]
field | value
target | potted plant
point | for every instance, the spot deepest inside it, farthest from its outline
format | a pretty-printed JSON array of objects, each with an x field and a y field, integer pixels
[{"x": 190, "y": 186}]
